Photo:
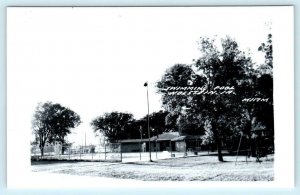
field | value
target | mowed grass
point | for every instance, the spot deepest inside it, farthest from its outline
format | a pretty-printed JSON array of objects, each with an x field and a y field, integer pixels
[{"x": 200, "y": 168}]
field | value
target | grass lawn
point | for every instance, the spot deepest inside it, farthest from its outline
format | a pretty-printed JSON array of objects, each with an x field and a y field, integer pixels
[{"x": 199, "y": 168}]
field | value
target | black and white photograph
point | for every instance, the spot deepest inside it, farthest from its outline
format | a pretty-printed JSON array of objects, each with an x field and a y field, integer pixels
[{"x": 139, "y": 95}]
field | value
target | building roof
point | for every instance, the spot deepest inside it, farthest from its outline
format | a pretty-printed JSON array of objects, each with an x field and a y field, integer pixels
[
  {"x": 169, "y": 136},
  {"x": 133, "y": 140},
  {"x": 161, "y": 137},
  {"x": 180, "y": 138},
  {"x": 186, "y": 137},
  {"x": 165, "y": 136}
]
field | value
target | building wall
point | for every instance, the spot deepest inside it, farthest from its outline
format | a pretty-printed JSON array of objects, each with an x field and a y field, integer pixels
[
  {"x": 180, "y": 146},
  {"x": 165, "y": 146},
  {"x": 131, "y": 147},
  {"x": 161, "y": 146}
]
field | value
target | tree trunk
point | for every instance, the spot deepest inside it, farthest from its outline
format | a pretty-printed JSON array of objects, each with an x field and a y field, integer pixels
[
  {"x": 218, "y": 143},
  {"x": 219, "y": 148},
  {"x": 62, "y": 150},
  {"x": 62, "y": 147},
  {"x": 42, "y": 151}
]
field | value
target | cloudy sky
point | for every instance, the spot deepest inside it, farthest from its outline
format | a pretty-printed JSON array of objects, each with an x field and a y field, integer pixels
[{"x": 96, "y": 60}]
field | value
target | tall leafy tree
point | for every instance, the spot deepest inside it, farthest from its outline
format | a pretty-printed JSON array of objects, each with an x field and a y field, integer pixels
[
  {"x": 137, "y": 129},
  {"x": 264, "y": 87},
  {"x": 219, "y": 114},
  {"x": 182, "y": 115},
  {"x": 180, "y": 107},
  {"x": 64, "y": 119},
  {"x": 113, "y": 125},
  {"x": 53, "y": 122},
  {"x": 41, "y": 125},
  {"x": 157, "y": 126},
  {"x": 267, "y": 49},
  {"x": 227, "y": 66},
  {"x": 157, "y": 123},
  {"x": 258, "y": 117}
]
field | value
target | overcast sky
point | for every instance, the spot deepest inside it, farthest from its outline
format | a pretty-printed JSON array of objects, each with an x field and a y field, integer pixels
[{"x": 96, "y": 60}]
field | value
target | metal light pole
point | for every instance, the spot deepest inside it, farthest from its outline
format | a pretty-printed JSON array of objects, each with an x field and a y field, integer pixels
[{"x": 146, "y": 85}]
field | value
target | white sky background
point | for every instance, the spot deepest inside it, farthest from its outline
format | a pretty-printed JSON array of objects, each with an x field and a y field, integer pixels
[{"x": 96, "y": 60}]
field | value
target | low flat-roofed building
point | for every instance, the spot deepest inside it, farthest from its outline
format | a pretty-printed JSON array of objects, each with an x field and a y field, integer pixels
[{"x": 170, "y": 141}]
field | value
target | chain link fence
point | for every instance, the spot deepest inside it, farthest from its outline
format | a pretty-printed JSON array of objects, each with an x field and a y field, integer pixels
[
  {"x": 120, "y": 152},
  {"x": 105, "y": 152}
]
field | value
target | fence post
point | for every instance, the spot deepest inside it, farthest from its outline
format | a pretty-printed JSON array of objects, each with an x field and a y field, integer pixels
[
  {"x": 80, "y": 152},
  {"x": 104, "y": 151},
  {"x": 59, "y": 152},
  {"x": 99, "y": 151},
  {"x": 156, "y": 148},
  {"x": 171, "y": 147},
  {"x": 35, "y": 152},
  {"x": 121, "y": 151},
  {"x": 140, "y": 150}
]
